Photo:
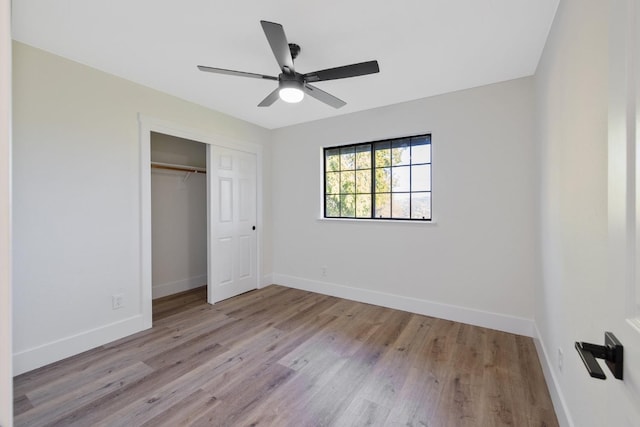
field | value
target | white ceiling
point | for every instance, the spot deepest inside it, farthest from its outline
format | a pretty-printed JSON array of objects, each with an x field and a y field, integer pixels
[{"x": 424, "y": 47}]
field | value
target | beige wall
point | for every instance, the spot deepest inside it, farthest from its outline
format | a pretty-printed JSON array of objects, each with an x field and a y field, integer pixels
[
  {"x": 77, "y": 200},
  {"x": 572, "y": 128},
  {"x": 478, "y": 261}
]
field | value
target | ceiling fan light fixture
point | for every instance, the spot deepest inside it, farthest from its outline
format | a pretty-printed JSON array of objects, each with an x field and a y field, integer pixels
[
  {"x": 291, "y": 91},
  {"x": 291, "y": 95}
]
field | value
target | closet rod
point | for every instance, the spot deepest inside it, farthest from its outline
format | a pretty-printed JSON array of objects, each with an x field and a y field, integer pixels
[{"x": 173, "y": 167}]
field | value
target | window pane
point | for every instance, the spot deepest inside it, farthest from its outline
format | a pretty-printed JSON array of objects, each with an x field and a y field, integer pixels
[
  {"x": 400, "y": 206},
  {"x": 421, "y": 140},
  {"x": 400, "y": 178},
  {"x": 363, "y": 206},
  {"x": 363, "y": 157},
  {"x": 383, "y": 180},
  {"x": 363, "y": 181},
  {"x": 383, "y": 206},
  {"x": 421, "y": 205},
  {"x": 348, "y": 205},
  {"x": 421, "y": 153},
  {"x": 400, "y": 152},
  {"x": 348, "y": 182},
  {"x": 383, "y": 154},
  {"x": 347, "y": 158},
  {"x": 332, "y": 205},
  {"x": 421, "y": 178},
  {"x": 332, "y": 183},
  {"x": 332, "y": 158}
]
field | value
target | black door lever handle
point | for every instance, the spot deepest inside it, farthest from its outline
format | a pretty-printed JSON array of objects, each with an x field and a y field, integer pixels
[
  {"x": 611, "y": 352},
  {"x": 589, "y": 361}
]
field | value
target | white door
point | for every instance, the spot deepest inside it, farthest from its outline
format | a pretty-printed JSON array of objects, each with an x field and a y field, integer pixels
[
  {"x": 232, "y": 223},
  {"x": 620, "y": 313}
]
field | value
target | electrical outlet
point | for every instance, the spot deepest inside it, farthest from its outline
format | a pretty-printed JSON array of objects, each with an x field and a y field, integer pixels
[
  {"x": 560, "y": 359},
  {"x": 117, "y": 301},
  {"x": 323, "y": 271}
]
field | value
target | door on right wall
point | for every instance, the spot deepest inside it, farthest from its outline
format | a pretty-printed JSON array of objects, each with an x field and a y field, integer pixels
[{"x": 621, "y": 313}]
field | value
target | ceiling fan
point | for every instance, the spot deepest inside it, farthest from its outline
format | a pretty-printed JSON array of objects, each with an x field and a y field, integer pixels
[{"x": 293, "y": 85}]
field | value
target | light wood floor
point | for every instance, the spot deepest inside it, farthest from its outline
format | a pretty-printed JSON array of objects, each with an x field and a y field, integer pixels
[{"x": 285, "y": 357}]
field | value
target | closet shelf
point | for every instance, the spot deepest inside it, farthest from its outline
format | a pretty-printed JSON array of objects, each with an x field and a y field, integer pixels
[{"x": 174, "y": 167}]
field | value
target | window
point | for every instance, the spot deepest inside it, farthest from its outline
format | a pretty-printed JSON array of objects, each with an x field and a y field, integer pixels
[{"x": 388, "y": 179}]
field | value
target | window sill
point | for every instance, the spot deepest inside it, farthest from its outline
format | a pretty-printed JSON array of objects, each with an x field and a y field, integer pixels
[{"x": 378, "y": 221}]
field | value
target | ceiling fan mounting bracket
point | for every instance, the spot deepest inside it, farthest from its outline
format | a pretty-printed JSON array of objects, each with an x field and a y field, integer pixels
[{"x": 294, "y": 49}]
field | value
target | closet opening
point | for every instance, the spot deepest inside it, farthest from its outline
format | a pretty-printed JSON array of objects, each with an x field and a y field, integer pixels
[{"x": 179, "y": 252}]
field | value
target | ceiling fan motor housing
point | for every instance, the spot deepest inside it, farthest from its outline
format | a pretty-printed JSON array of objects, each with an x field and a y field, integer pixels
[{"x": 295, "y": 80}]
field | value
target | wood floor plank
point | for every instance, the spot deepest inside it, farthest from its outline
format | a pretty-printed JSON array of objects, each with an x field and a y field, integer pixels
[
  {"x": 418, "y": 399},
  {"x": 259, "y": 357},
  {"x": 389, "y": 375},
  {"x": 31, "y": 380},
  {"x": 286, "y": 357},
  {"x": 185, "y": 412},
  {"x": 245, "y": 396},
  {"x": 300, "y": 317},
  {"x": 534, "y": 388},
  {"x": 459, "y": 404},
  {"x": 382, "y": 388},
  {"x": 145, "y": 389},
  {"x": 332, "y": 400},
  {"x": 340, "y": 338},
  {"x": 271, "y": 304},
  {"x": 59, "y": 406},
  {"x": 364, "y": 413},
  {"x": 146, "y": 349},
  {"x": 167, "y": 306},
  {"x": 161, "y": 398},
  {"x": 499, "y": 402},
  {"x": 21, "y": 405},
  {"x": 316, "y": 364},
  {"x": 249, "y": 299}
]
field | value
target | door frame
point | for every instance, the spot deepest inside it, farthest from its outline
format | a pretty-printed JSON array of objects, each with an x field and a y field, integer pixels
[{"x": 148, "y": 124}]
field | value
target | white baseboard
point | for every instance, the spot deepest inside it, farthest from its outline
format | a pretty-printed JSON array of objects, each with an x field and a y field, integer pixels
[
  {"x": 501, "y": 322},
  {"x": 42, "y": 355},
  {"x": 170, "y": 288},
  {"x": 559, "y": 403}
]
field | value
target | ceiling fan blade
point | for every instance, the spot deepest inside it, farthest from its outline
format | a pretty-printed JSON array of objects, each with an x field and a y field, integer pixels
[
  {"x": 270, "y": 99},
  {"x": 323, "y": 96},
  {"x": 279, "y": 45},
  {"x": 235, "y": 73},
  {"x": 353, "y": 70}
]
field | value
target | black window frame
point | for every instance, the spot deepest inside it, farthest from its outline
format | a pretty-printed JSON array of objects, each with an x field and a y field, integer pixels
[{"x": 373, "y": 146}]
